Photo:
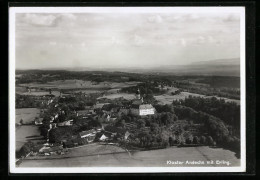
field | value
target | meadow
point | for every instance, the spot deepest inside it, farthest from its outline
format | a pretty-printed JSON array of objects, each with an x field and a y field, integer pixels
[
  {"x": 167, "y": 99},
  {"x": 26, "y": 114},
  {"x": 109, "y": 156},
  {"x": 25, "y": 132}
]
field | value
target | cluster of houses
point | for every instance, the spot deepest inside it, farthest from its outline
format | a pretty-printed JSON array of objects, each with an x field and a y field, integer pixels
[{"x": 110, "y": 113}]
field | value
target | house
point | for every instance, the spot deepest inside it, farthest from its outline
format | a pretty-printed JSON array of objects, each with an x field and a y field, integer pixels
[
  {"x": 56, "y": 116},
  {"x": 89, "y": 109},
  {"x": 89, "y": 135},
  {"x": 99, "y": 105},
  {"x": 52, "y": 119},
  {"x": 110, "y": 118},
  {"x": 98, "y": 130},
  {"x": 117, "y": 131},
  {"x": 84, "y": 113},
  {"x": 103, "y": 137},
  {"x": 50, "y": 150},
  {"x": 38, "y": 121},
  {"x": 66, "y": 123}
]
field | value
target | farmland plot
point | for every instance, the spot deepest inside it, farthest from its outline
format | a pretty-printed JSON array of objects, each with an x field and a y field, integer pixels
[
  {"x": 168, "y": 99},
  {"x": 26, "y": 114}
]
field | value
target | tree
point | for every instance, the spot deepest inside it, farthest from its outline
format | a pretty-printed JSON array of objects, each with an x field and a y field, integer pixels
[
  {"x": 155, "y": 128},
  {"x": 196, "y": 140},
  {"x": 210, "y": 141},
  {"x": 189, "y": 139},
  {"x": 203, "y": 140}
]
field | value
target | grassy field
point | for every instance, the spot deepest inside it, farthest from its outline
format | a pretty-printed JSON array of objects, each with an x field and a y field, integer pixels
[
  {"x": 27, "y": 114},
  {"x": 118, "y": 95},
  {"x": 39, "y": 93},
  {"x": 91, "y": 156},
  {"x": 79, "y": 84},
  {"x": 25, "y": 133},
  {"x": 167, "y": 99}
]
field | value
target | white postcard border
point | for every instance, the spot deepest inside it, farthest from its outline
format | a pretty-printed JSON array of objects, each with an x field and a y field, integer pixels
[{"x": 14, "y": 10}]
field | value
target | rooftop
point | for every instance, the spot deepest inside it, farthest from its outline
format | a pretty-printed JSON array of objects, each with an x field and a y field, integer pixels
[
  {"x": 87, "y": 132},
  {"x": 145, "y": 106}
]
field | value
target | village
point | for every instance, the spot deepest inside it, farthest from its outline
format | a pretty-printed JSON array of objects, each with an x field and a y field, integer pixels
[{"x": 106, "y": 115}]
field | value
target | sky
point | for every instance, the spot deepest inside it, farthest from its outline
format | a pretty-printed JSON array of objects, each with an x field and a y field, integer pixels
[{"x": 122, "y": 40}]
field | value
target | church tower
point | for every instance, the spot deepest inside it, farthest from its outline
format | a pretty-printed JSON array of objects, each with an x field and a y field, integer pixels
[{"x": 137, "y": 95}]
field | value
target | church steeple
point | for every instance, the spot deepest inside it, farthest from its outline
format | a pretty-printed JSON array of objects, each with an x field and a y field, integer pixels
[{"x": 138, "y": 94}]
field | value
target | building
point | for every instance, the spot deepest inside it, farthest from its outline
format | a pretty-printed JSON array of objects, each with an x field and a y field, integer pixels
[
  {"x": 142, "y": 110},
  {"x": 146, "y": 109},
  {"x": 117, "y": 131},
  {"x": 99, "y": 105},
  {"x": 103, "y": 137},
  {"x": 38, "y": 121},
  {"x": 66, "y": 123},
  {"x": 89, "y": 135},
  {"x": 110, "y": 118}
]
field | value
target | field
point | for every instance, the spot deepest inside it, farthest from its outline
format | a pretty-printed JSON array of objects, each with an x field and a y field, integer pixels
[
  {"x": 167, "y": 99},
  {"x": 106, "y": 156},
  {"x": 25, "y": 133},
  {"x": 79, "y": 84},
  {"x": 118, "y": 95},
  {"x": 26, "y": 114}
]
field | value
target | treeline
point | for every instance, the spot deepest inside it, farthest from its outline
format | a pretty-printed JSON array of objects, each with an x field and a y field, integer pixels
[
  {"x": 146, "y": 88},
  {"x": 229, "y": 112},
  {"x": 26, "y": 101},
  {"x": 219, "y": 81},
  {"x": 43, "y": 76}
]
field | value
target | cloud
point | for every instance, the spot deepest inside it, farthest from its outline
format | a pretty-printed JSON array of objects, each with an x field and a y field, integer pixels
[
  {"x": 232, "y": 18},
  {"x": 183, "y": 42},
  {"x": 138, "y": 40},
  {"x": 52, "y": 43},
  {"x": 69, "y": 16},
  {"x": 83, "y": 44},
  {"x": 115, "y": 40},
  {"x": 155, "y": 19},
  {"x": 40, "y": 20},
  {"x": 201, "y": 40}
]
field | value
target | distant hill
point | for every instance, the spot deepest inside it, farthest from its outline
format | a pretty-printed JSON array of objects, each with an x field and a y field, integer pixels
[{"x": 219, "y": 67}]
